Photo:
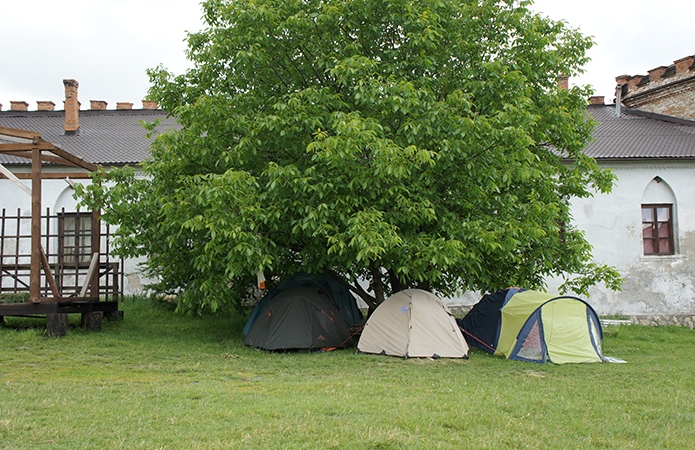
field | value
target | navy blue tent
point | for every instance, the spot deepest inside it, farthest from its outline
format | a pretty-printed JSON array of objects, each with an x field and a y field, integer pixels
[
  {"x": 341, "y": 297},
  {"x": 485, "y": 319}
]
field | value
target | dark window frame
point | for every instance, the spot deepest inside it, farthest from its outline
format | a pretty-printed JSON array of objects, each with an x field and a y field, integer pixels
[
  {"x": 657, "y": 233},
  {"x": 75, "y": 238}
]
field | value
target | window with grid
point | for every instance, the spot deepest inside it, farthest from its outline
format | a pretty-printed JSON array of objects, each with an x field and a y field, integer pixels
[
  {"x": 657, "y": 229},
  {"x": 76, "y": 237}
]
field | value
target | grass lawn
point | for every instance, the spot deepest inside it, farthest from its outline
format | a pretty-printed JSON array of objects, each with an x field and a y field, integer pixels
[{"x": 163, "y": 381}]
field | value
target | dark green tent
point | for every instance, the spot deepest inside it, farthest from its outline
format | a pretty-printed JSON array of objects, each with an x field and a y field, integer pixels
[
  {"x": 299, "y": 318},
  {"x": 343, "y": 300}
]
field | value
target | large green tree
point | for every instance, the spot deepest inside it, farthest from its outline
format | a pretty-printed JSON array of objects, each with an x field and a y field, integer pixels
[{"x": 404, "y": 143}]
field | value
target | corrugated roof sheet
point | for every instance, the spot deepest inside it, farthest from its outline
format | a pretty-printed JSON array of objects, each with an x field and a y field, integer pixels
[
  {"x": 117, "y": 137},
  {"x": 105, "y": 137},
  {"x": 636, "y": 135}
]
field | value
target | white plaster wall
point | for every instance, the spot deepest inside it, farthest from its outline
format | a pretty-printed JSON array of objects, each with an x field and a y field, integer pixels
[
  {"x": 613, "y": 226},
  {"x": 57, "y": 194}
]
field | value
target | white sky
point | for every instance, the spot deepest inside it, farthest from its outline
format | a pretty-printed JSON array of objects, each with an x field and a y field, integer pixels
[{"x": 107, "y": 45}]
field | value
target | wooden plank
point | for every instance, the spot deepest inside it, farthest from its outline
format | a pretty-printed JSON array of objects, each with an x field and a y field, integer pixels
[
  {"x": 90, "y": 275},
  {"x": 44, "y": 157},
  {"x": 5, "y": 171},
  {"x": 96, "y": 247},
  {"x": 51, "y": 306},
  {"x": 42, "y": 145},
  {"x": 25, "y": 134},
  {"x": 76, "y": 160},
  {"x": 54, "y": 175},
  {"x": 35, "y": 272},
  {"x": 49, "y": 274}
]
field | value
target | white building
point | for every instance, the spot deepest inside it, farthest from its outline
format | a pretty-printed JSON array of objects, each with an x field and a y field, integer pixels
[{"x": 646, "y": 226}]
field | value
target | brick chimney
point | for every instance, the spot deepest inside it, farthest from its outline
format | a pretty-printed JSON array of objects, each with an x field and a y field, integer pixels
[
  {"x": 147, "y": 104},
  {"x": 46, "y": 105},
  {"x": 98, "y": 105},
  {"x": 72, "y": 107},
  {"x": 563, "y": 83},
  {"x": 19, "y": 106},
  {"x": 597, "y": 100},
  {"x": 124, "y": 105}
]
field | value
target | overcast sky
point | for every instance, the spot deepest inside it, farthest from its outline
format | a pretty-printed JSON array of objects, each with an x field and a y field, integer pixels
[{"x": 107, "y": 45}]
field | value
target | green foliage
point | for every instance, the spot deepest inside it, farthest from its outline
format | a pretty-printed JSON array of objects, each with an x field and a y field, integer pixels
[{"x": 404, "y": 142}]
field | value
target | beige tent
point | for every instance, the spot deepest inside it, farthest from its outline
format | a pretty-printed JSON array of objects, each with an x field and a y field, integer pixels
[{"x": 413, "y": 323}]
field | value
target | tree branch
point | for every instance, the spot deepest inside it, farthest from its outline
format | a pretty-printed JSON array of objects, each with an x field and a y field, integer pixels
[{"x": 357, "y": 289}]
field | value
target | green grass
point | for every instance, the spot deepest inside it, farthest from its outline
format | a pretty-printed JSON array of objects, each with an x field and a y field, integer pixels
[{"x": 163, "y": 381}]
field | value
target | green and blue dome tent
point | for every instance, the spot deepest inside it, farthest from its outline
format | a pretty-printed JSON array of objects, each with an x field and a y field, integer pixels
[{"x": 534, "y": 326}]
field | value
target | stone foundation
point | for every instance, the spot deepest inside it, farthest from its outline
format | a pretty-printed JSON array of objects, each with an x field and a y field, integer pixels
[{"x": 655, "y": 320}]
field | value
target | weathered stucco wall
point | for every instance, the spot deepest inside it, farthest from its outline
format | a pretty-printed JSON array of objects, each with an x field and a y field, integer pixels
[{"x": 613, "y": 225}]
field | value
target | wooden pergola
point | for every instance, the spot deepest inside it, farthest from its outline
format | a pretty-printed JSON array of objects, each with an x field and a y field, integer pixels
[{"x": 31, "y": 145}]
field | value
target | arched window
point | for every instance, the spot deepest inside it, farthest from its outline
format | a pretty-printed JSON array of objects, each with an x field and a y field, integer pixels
[{"x": 658, "y": 218}]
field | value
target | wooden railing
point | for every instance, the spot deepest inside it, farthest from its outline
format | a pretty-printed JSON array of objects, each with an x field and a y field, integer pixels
[{"x": 66, "y": 257}]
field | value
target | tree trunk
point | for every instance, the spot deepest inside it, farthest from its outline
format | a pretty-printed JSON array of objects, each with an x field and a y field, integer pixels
[
  {"x": 396, "y": 284},
  {"x": 377, "y": 283}
]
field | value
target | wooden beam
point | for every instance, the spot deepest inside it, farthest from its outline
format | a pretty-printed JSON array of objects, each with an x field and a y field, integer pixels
[
  {"x": 24, "y": 134},
  {"x": 61, "y": 156},
  {"x": 35, "y": 271},
  {"x": 46, "y": 158},
  {"x": 96, "y": 246},
  {"x": 93, "y": 266},
  {"x": 12, "y": 177},
  {"x": 76, "y": 160},
  {"x": 42, "y": 145},
  {"x": 53, "y": 175},
  {"x": 20, "y": 154},
  {"x": 49, "y": 274},
  {"x": 58, "y": 160}
]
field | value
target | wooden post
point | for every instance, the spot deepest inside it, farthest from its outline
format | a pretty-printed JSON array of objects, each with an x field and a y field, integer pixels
[
  {"x": 35, "y": 271},
  {"x": 92, "y": 320},
  {"x": 56, "y": 324}
]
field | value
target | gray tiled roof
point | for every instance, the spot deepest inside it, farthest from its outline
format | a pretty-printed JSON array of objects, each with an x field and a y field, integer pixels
[
  {"x": 105, "y": 137},
  {"x": 640, "y": 135},
  {"x": 116, "y": 136}
]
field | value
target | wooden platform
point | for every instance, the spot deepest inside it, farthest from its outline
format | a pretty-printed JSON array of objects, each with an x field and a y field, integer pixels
[{"x": 56, "y": 312}]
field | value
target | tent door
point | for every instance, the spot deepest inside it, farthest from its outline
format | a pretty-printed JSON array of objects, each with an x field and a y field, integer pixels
[
  {"x": 530, "y": 343},
  {"x": 568, "y": 333}
]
